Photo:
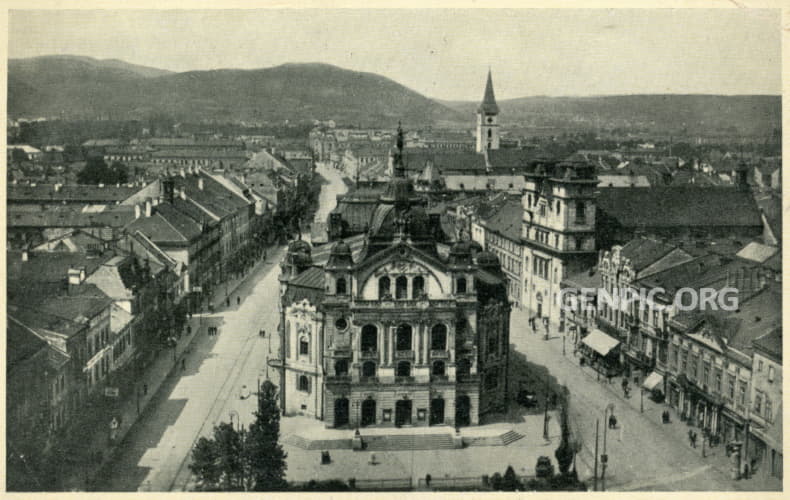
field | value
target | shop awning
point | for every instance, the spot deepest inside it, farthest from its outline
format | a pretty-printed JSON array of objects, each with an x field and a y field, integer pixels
[
  {"x": 600, "y": 342},
  {"x": 653, "y": 380}
]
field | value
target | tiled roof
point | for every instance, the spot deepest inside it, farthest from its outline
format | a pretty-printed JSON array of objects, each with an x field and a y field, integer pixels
[
  {"x": 112, "y": 216},
  {"x": 70, "y": 193},
  {"x": 49, "y": 267},
  {"x": 771, "y": 343},
  {"x": 232, "y": 154},
  {"x": 21, "y": 343},
  {"x": 507, "y": 220},
  {"x": 167, "y": 225},
  {"x": 589, "y": 278},
  {"x": 186, "y": 142},
  {"x": 679, "y": 206},
  {"x": 311, "y": 278},
  {"x": 63, "y": 313},
  {"x": 642, "y": 252},
  {"x": 757, "y": 252}
]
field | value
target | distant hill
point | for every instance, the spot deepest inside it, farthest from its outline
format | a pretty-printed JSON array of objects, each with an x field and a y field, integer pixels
[
  {"x": 697, "y": 114},
  {"x": 86, "y": 87},
  {"x": 83, "y": 87}
]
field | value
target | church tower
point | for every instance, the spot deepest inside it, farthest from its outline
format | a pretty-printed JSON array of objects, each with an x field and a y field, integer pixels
[{"x": 487, "y": 122}]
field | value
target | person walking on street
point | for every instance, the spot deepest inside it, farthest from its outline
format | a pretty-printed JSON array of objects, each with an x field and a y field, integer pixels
[
  {"x": 183, "y": 364},
  {"x": 691, "y": 438},
  {"x": 238, "y": 300}
]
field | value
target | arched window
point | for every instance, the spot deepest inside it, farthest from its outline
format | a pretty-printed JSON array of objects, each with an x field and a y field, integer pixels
[
  {"x": 403, "y": 369},
  {"x": 341, "y": 367},
  {"x": 384, "y": 287},
  {"x": 417, "y": 287},
  {"x": 304, "y": 346},
  {"x": 403, "y": 338},
  {"x": 489, "y": 133},
  {"x": 304, "y": 383},
  {"x": 340, "y": 286},
  {"x": 437, "y": 368},
  {"x": 460, "y": 285},
  {"x": 401, "y": 287},
  {"x": 368, "y": 369},
  {"x": 439, "y": 337},
  {"x": 558, "y": 207},
  {"x": 369, "y": 338}
]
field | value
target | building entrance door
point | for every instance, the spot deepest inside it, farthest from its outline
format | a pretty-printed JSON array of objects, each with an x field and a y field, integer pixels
[
  {"x": 403, "y": 412},
  {"x": 462, "y": 410},
  {"x": 341, "y": 412},
  {"x": 368, "y": 412},
  {"x": 437, "y": 411}
]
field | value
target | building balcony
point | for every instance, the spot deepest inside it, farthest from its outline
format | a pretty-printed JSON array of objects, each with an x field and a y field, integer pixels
[
  {"x": 338, "y": 379},
  {"x": 338, "y": 352},
  {"x": 440, "y": 378},
  {"x": 439, "y": 354},
  {"x": 404, "y": 354},
  {"x": 369, "y": 380},
  {"x": 368, "y": 355},
  {"x": 469, "y": 377},
  {"x": 404, "y": 380}
]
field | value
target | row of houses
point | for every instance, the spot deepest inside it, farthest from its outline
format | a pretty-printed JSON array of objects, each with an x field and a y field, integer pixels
[
  {"x": 85, "y": 316},
  {"x": 719, "y": 366}
]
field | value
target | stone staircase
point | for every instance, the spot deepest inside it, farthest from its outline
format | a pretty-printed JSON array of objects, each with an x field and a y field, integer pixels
[
  {"x": 317, "y": 444},
  {"x": 498, "y": 440},
  {"x": 400, "y": 442}
]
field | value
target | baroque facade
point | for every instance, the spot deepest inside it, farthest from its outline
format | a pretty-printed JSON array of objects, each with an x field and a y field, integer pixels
[{"x": 399, "y": 330}]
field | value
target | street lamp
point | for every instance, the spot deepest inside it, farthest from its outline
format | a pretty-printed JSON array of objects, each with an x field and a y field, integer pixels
[
  {"x": 641, "y": 400},
  {"x": 546, "y": 412}
]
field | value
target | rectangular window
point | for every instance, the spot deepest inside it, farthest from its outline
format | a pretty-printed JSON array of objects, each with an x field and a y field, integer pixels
[
  {"x": 742, "y": 393},
  {"x": 758, "y": 403},
  {"x": 693, "y": 367},
  {"x": 684, "y": 362},
  {"x": 731, "y": 387},
  {"x": 705, "y": 373},
  {"x": 675, "y": 358},
  {"x": 770, "y": 373},
  {"x": 769, "y": 413},
  {"x": 542, "y": 209},
  {"x": 655, "y": 318},
  {"x": 718, "y": 381},
  {"x": 759, "y": 366}
]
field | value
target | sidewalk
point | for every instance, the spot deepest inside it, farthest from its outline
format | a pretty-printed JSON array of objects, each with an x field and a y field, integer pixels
[{"x": 165, "y": 364}]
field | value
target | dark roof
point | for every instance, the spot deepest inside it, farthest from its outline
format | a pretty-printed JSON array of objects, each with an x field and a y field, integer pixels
[
  {"x": 771, "y": 207},
  {"x": 69, "y": 193},
  {"x": 642, "y": 252},
  {"x": 311, "y": 278},
  {"x": 49, "y": 267},
  {"x": 488, "y": 105},
  {"x": 709, "y": 270},
  {"x": 679, "y": 206},
  {"x": 507, "y": 221},
  {"x": 770, "y": 343},
  {"x": 589, "y": 278},
  {"x": 21, "y": 343},
  {"x": 188, "y": 142},
  {"x": 167, "y": 225},
  {"x": 201, "y": 153},
  {"x": 112, "y": 216}
]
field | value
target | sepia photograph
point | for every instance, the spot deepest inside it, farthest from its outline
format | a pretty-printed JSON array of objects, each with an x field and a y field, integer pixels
[{"x": 393, "y": 249}]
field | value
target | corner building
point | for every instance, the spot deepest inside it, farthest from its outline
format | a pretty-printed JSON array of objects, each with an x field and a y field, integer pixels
[{"x": 398, "y": 327}]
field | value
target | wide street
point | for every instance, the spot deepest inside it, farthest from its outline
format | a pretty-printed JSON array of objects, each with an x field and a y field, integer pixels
[
  {"x": 644, "y": 454},
  {"x": 218, "y": 371}
]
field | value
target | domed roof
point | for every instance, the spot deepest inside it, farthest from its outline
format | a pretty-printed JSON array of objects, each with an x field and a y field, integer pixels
[
  {"x": 488, "y": 261},
  {"x": 340, "y": 256},
  {"x": 300, "y": 246},
  {"x": 341, "y": 248},
  {"x": 475, "y": 247}
]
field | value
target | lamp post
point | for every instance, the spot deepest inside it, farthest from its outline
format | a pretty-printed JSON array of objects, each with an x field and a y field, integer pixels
[
  {"x": 641, "y": 400},
  {"x": 546, "y": 412}
]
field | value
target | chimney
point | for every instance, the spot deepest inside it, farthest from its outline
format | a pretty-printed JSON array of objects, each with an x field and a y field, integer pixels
[
  {"x": 57, "y": 187},
  {"x": 156, "y": 200},
  {"x": 25, "y": 255},
  {"x": 148, "y": 207},
  {"x": 101, "y": 184},
  {"x": 182, "y": 194},
  {"x": 200, "y": 183},
  {"x": 182, "y": 173},
  {"x": 76, "y": 275}
]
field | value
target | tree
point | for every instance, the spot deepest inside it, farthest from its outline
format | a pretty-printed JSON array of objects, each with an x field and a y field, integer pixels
[
  {"x": 240, "y": 459},
  {"x": 565, "y": 451},
  {"x": 96, "y": 171},
  {"x": 510, "y": 481},
  {"x": 265, "y": 455}
]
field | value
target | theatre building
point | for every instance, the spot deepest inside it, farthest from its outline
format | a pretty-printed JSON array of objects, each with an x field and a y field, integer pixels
[{"x": 391, "y": 329}]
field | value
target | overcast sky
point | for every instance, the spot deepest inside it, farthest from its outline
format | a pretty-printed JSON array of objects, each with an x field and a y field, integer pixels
[{"x": 441, "y": 53}]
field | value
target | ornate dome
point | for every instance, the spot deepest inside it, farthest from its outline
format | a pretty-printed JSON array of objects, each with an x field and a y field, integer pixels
[
  {"x": 300, "y": 246},
  {"x": 340, "y": 256},
  {"x": 489, "y": 262}
]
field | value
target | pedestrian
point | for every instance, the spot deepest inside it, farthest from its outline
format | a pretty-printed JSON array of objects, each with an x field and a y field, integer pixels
[
  {"x": 189, "y": 330},
  {"x": 183, "y": 364},
  {"x": 238, "y": 300},
  {"x": 691, "y": 438},
  {"x": 145, "y": 389},
  {"x": 227, "y": 302}
]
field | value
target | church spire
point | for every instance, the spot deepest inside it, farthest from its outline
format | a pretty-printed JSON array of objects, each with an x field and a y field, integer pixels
[
  {"x": 489, "y": 106},
  {"x": 398, "y": 169}
]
